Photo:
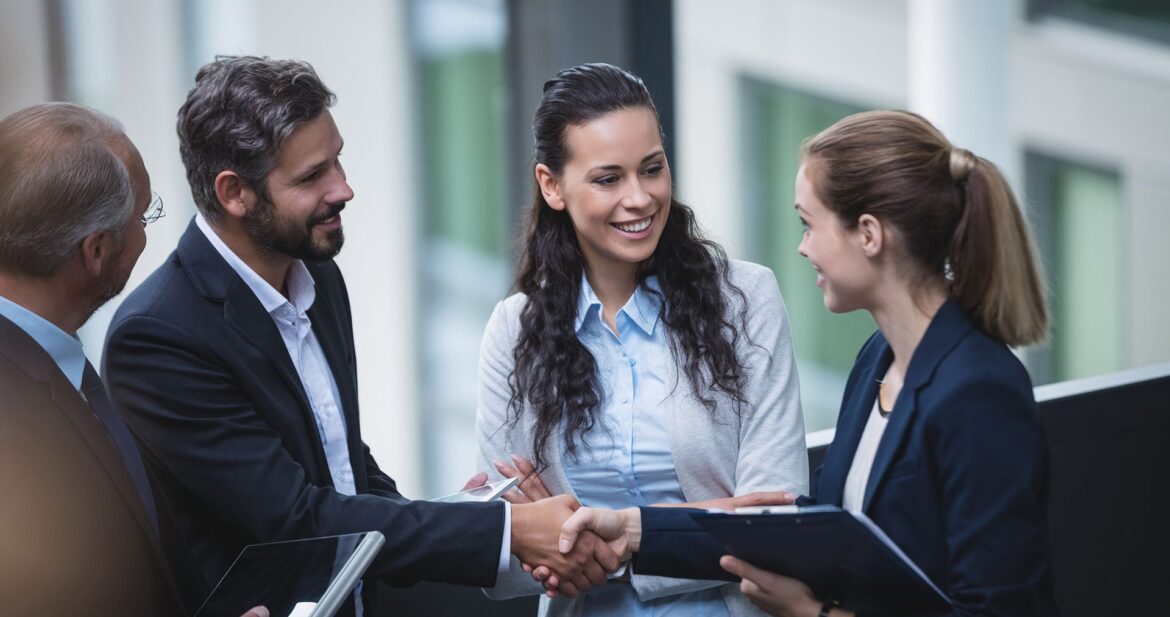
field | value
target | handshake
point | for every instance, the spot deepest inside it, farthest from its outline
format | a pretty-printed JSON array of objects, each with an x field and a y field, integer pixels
[{"x": 568, "y": 548}]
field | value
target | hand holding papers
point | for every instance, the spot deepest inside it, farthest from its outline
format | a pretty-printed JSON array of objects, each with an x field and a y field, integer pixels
[{"x": 840, "y": 555}]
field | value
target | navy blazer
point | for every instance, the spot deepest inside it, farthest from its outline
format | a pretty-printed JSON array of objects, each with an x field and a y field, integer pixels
[
  {"x": 75, "y": 538},
  {"x": 205, "y": 382},
  {"x": 958, "y": 481}
]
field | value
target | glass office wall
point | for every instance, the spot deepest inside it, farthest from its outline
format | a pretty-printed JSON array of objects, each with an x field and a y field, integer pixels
[
  {"x": 776, "y": 121},
  {"x": 1078, "y": 215},
  {"x": 1148, "y": 19},
  {"x": 465, "y": 265}
]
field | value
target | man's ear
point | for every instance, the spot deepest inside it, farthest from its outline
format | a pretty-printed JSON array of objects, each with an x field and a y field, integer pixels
[
  {"x": 97, "y": 250},
  {"x": 234, "y": 195},
  {"x": 872, "y": 234},
  {"x": 549, "y": 187}
]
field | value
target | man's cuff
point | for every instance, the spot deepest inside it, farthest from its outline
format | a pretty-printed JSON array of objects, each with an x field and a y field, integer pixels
[{"x": 506, "y": 545}]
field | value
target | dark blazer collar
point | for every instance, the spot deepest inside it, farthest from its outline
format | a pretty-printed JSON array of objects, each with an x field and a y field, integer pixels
[
  {"x": 23, "y": 351},
  {"x": 216, "y": 281},
  {"x": 872, "y": 362},
  {"x": 946, "y": 329}
]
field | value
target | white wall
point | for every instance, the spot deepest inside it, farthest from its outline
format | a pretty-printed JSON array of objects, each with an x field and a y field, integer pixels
[{"x": 24, "y": 55}]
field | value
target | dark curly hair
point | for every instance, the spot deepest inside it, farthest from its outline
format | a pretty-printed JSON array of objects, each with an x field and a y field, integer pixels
[{"x": 554, "y": 372}]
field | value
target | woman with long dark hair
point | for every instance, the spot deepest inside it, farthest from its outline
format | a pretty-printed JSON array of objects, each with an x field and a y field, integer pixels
[{"x": 637, "y": 364}]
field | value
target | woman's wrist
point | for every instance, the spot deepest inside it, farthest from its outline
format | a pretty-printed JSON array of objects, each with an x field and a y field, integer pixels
[{"x": 633, "y": 528}]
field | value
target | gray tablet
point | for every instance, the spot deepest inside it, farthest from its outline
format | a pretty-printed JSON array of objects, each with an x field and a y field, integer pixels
[
  {"x": 487, "y": 492},
  {"x": 311, "y": 577}
]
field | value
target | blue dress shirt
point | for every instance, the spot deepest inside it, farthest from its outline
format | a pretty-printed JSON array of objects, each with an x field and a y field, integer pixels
[
  {"x": 625, "y": 460},
  {"x": 65, "y": 350}
]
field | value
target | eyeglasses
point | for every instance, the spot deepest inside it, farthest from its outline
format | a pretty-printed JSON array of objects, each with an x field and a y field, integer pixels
[{"x": 154, "y": 211}]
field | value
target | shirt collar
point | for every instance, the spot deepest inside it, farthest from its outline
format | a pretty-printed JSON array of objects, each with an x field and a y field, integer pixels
[
  {"x": 301, "y": 291},
  {"x": 64, "y": 349},
  {"x": 642, "y": 308}
]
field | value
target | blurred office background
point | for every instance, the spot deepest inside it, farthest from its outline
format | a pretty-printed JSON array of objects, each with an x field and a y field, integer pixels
[{"x": 1069, "y": 97}]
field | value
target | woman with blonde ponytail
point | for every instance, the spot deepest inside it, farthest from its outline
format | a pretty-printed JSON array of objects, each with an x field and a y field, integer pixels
[{"x": 938, "y": 440}]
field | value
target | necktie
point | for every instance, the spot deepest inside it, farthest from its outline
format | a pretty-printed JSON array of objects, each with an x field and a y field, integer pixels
[{"x": 103, "y": 408}]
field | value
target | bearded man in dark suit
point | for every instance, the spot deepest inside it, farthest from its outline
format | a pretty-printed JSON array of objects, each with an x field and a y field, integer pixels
[{"x": 234, "y": 362}]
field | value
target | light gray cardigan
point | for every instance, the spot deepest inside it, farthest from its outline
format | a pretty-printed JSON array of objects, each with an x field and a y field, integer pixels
[{"x": 715, "y": 455}]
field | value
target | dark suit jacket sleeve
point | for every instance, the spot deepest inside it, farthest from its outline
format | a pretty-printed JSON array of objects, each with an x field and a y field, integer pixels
[
  {"x": 379, "y": 482},
  {"x": 195, "y": 421},
  {"x": 673, "y": 544},
  {"x": 990, "y": 454}
]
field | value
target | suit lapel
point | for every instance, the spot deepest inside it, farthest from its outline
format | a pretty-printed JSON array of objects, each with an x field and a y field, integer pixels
[
  {"x": 853, "y": 417},
  {"x": 945, "y": 330},
  {"x": 23, "y": 351},
  {"x": 242, "y": 311}
]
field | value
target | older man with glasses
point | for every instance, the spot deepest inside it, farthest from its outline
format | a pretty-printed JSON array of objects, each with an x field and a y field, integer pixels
[{"x": 79, "y": 525}]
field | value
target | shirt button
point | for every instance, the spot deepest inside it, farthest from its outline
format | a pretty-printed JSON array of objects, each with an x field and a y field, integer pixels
[
  {"x": 632, "y": 492},
  {"x": 632, "y": 361}
]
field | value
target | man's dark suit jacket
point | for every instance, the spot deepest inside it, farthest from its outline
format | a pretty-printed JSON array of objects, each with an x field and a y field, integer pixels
[
  {"x": 958, "y": 481},
  {"x": 203, "y": 378},
  {"x": 74, "y": 536}
]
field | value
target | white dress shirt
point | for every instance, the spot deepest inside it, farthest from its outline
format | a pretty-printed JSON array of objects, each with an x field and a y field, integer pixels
[
  {"x": 854, "y": 496},
  {"x": 296, "y": 330},
  {"x": 292, "y": 320}
]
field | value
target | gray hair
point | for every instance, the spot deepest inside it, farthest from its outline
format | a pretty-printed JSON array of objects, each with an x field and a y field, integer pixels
[
  {"x": 236, "y": 117},
  {"x": 60, "y": 181}
]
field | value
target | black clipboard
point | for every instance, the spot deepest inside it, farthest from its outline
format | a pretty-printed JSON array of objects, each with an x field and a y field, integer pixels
[
  {"x": 280, "y": 575},
  {"x": 841, "y": 555}
]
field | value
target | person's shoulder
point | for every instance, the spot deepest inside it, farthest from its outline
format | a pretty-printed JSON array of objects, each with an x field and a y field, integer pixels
[
  {"x": 507, "y": 312},
  {"x": 754, "y": 280},
  {"x": 164, "y": 286},
  {"x": 749, "y": 273},
  {"x": 980, "y": 368},
  {"x": 758, "y": 290},
  {"x": 994, "y": 359}
]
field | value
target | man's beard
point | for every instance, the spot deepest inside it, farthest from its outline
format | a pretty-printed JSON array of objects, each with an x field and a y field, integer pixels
[{"x": 288, "y": 237}]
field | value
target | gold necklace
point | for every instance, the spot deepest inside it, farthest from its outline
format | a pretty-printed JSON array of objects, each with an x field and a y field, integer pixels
[{"x": 881, "y": 395}]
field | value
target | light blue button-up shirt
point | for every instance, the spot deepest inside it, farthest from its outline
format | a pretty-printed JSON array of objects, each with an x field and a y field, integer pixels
[
  {"x": 296, "y": 330},
  {"x": 64, "y": 349},
  {"x": 626, "y": 461}
]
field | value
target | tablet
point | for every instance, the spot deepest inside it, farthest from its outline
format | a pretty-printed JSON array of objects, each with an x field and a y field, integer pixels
[
  {"x": 314, "y": 576},
  {"x": 487, "y": 492}
]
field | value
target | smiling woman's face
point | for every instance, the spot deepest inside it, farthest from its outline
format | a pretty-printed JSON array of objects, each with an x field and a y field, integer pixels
[
  {"x": 844, "y": 274},
  {"x": 615, "y": 187}
]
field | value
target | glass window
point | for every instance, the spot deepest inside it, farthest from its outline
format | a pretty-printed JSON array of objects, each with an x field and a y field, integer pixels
[
  {"x": 465, "y": 264},
  {"x": 1078, "y": 215},
  {"x": 1148, "y": 19},
  {"x": 778, "y": 119}
]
